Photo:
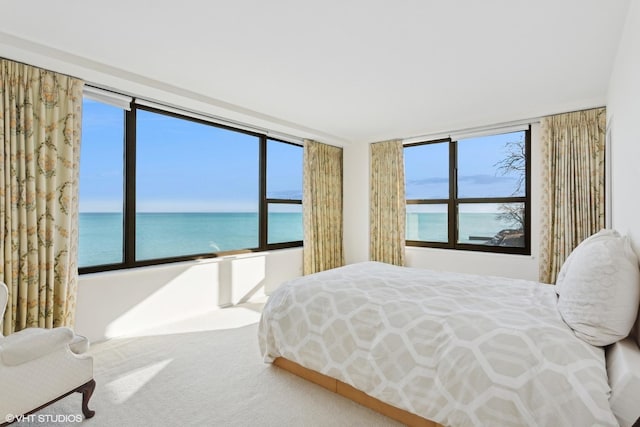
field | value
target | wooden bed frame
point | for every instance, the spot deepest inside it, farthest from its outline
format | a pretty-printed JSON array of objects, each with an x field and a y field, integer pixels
[{"x": 354, "y": 394}]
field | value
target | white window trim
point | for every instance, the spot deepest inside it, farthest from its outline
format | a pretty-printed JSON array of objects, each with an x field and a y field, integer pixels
[{"x": 108, "y": 97}]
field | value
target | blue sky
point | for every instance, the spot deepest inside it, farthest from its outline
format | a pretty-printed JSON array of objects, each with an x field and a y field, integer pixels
[
  {"x": 427, "y": 170},
  {"x": 185, "y": 166},
  {"x": 101, "y": 161},
  {"x": 182, "y": 166}
]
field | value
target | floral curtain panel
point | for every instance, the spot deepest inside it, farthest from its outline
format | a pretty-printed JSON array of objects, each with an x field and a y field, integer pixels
[
  {"x": 322, "y": 207},
  {"x": 40, "y": 121},
  {"x": 387, "y": 203},
  {"x": 573, "y": 185}
]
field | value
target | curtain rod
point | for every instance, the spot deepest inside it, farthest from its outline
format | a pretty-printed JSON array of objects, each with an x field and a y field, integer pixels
[
  {"x": 202, "y": 115},
  {"x": 506, "y": 127},
  {"x": 480, "y": 129}
]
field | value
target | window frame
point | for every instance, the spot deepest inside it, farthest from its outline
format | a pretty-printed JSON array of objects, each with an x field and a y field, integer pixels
[
  {"x": 129, "y": 196},
  {"x": 265, "y": 201},
  {"x": 453, "y": 201}
]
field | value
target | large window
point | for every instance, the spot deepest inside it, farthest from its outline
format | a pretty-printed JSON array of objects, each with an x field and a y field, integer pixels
[
  {"x": 470, "y": 194},
  {"x": 156, "y": 187}
]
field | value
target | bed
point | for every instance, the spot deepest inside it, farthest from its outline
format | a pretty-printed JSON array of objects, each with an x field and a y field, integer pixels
[{"x": 438, "y": 348}]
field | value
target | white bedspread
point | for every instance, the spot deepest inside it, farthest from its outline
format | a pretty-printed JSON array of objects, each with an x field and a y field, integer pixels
[{"x": 456, "y": 349}]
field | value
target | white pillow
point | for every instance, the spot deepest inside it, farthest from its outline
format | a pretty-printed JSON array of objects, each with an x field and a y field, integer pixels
[
  {"x": 565, "y": 267},
  {"x": 600, "y": 289}
]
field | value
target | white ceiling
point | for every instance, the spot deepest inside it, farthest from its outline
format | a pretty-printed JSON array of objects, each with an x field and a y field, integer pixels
[{"x": 347, "y": 70}]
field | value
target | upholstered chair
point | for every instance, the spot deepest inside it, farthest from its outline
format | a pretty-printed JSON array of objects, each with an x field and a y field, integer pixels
[{"x": 40, "y": 366}]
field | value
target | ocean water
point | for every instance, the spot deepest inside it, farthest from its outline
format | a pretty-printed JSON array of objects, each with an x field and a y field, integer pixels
[
  {"x": 472, "y": 227},
  {"x": 162, "y": 235}
]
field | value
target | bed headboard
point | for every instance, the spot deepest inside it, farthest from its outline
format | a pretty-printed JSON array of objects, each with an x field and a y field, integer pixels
[{"x": 623, "y": 369}]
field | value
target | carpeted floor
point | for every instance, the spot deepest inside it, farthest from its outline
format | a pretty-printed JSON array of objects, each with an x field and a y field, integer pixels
[{"x": 206, "y": 371}]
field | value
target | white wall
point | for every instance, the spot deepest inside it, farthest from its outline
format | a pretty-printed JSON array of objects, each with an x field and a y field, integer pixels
[
  {"x": 356, "y": 202},
  {"x": 356, "y": 224},
  {"x": 124, "y": 302},
  {"x": 623, "y": 117}
]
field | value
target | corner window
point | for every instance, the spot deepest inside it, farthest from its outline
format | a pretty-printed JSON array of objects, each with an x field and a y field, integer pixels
[
  {"x": 470, "y": 194},
  {"x": 156, "y": 187}
]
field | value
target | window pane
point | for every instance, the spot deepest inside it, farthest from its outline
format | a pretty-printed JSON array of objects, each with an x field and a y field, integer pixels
[
  {"x": 427, "y": 171},
  {"x": 492, "y": 166},
  {"x": 171, "y": 234},
  {"x": 197, "y": 188},
  {"x": 284, "y": 170},
  {"x": 428, "y": 223},
  {"x": 285, "y": 223},
  {"x": 493, "y": 224},
  {"x": 101, "y": 185}
]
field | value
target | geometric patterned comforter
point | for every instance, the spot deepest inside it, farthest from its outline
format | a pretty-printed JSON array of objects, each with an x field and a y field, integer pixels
[{"x": 458, "y": 349}]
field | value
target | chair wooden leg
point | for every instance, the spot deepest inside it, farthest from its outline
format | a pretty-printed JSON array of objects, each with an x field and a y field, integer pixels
[{"x": 87, "y": 390}]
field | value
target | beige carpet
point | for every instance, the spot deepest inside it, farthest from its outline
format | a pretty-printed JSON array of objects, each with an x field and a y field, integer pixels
[{"x": 206, "y": 371}]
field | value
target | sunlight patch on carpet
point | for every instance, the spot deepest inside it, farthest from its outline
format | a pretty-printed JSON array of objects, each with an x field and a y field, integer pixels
[{"x": 123, "y": 388}]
